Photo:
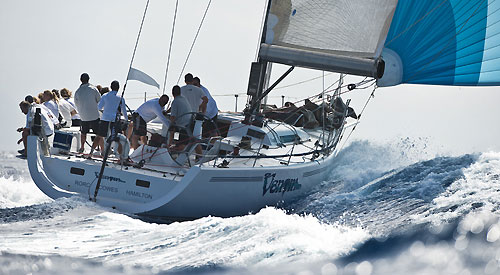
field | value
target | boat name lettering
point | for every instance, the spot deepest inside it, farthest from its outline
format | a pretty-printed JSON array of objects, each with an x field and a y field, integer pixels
[
  {"x": 273, "y": 185},
  {"x": 102, "y": 187},
  {"x": 139, "y": 194},
  {"x": 109, "y": 178}
]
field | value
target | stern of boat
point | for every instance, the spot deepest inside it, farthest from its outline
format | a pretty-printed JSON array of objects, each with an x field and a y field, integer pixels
[{"x": 36, "y": 166}]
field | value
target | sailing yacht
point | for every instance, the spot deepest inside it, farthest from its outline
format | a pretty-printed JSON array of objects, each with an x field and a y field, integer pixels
[{"x": 265, "y": 156}]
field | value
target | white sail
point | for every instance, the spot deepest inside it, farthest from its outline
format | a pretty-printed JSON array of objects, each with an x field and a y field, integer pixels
[{"x": 344, "y": 36}]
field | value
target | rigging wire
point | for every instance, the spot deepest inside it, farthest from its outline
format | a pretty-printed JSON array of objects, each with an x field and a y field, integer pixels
[
  {"x": 118, "y": 110},
  {"x": 170, "y": 46},
  {"x": 301, "y": 82},
  {"x": 192, "y": 46},
  {"x": 259, "y": 40},
  {"x": 372, "y": 95},
  {"x": 194, "y": 41},
  {"x": 135, "y": 47},
  {"x": 361, "y": 83},
  {"x": 317, "y": 100}
]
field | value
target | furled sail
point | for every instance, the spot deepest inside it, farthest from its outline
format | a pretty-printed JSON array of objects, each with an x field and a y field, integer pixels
[
  {"x": 344, "y": 36},
  {"x": 443, "y": 42}
]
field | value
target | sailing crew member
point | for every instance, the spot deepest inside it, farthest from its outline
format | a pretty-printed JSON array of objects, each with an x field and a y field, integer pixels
[
  {"x": 86, "y": 99},
  {"x": 40, "y": 97},
  {"x": 194, "y": 95},
  {"x": 104, "y": 90},
  {"x": 211, "y": 112},
  {"x": 47, "y": 122},
  {"x": 179, "y": 111},
  {"x": 30, "y": 99},
  {"x": 75, "y": 118},
  {"x": 109, "y": 105},
  {"x": 50, "y": 101},
  {"x": 148, "y": 111},
  {"x": 66, "y": 110},
  {"x": 34, "y": 100}
]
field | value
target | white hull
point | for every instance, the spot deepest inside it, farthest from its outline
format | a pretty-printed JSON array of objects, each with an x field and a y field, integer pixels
[{"x": 201, "y": 191}]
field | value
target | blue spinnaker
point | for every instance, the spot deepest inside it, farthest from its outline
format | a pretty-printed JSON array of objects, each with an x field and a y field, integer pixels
[{"x": 444, "y": 42}]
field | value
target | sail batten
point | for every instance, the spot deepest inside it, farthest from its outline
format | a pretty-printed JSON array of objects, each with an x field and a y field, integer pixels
[{"x": 342, "y": 32}]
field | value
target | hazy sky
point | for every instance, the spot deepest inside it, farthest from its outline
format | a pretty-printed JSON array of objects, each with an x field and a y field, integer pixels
[{"x": 48, "y": 44}]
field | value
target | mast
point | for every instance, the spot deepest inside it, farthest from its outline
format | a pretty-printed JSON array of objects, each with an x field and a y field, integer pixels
[{"x": 257, "y": 78}]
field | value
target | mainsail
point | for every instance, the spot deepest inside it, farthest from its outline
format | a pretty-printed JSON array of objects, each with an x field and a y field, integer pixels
[
  {"x": 344, "y": 36},
  {"x": 444, "y": 42}
]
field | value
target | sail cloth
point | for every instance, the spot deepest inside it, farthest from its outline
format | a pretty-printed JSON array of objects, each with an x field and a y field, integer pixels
[
  {"x": 138, "y": 75},
  {"x": 344, "y": 36},
  {"x": 444, "y": 42}
]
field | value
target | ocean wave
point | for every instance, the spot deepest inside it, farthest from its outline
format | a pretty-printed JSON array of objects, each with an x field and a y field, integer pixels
[
  {"x": 466, "y": 245},
  {"x": 363, "y": 161},
  {"x": 477, "y": 190},
  {"x": 46, "y": 210},
  {"x": 12, "y": 167},
  {"x": 430, "y": 213},
  {"x": 54, "y": 264},
  {"x": 386, "y": 194},
  {"x": 19, "y": 192},
  {"x": 269, "y": 237}
]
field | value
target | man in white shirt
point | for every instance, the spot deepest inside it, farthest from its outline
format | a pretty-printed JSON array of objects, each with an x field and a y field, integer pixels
[
  {"x": 209, "y": 127},
  {"x": 47, "y": 122},
  {"x": 194, "y": 95},
  {"x": 86, "y": 99},
  {"x": 109, "y": 106},
  {"x": 148, "y": 111}
]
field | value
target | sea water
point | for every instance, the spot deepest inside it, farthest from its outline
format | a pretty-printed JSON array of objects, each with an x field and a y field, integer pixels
[{"x": 398, "y": 208}]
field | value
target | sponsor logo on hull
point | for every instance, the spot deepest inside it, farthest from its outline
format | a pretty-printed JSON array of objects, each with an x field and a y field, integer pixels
[
  {"x": 273, "y": 185},
  {"x": 109, "y": 178}
]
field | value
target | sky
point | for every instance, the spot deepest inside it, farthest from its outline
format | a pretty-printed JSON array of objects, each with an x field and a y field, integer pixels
[{"x": 48, "y": 44}]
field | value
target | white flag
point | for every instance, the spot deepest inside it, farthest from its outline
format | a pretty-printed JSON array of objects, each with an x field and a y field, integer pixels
[{"x": 135, "y": 74}]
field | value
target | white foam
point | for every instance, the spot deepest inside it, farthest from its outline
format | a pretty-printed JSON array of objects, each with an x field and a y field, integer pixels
[
  {"x": 364, "y": 161},
  {"x": 269, "y": 237},
  {"x": 20, "y": 192}
]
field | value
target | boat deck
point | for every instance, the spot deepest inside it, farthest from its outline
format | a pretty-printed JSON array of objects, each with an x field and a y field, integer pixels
[{"x": 244, "y": 146}]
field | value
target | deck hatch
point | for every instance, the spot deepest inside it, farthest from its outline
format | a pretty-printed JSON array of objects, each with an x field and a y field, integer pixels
[
  {"x": 142, "y": 183},
  {"x": 289, "y": 138},
  {"x": 256, "y": 134},
  {"x": 77, "y": 171}
]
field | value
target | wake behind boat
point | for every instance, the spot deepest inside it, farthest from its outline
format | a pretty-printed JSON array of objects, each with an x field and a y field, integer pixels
[{"x": 265, "y": 156}]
